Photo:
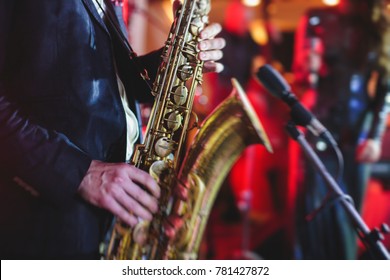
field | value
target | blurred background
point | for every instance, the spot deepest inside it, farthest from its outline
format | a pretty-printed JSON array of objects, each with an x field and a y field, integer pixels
[
  {"x": 254, "y": 215},
  {"x": 152, "y": 19}
]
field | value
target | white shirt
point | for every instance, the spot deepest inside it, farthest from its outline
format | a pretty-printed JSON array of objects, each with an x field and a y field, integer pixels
[{"x": 131, "y": 120}]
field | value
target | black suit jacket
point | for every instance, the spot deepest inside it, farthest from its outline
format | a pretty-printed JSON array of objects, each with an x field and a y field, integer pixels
[{"x": 59, "y": 109}]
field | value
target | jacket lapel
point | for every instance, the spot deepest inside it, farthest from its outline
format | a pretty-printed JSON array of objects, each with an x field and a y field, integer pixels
[
  {"x": 92, "y": 10},
  {"x": 117, "y": 16}
]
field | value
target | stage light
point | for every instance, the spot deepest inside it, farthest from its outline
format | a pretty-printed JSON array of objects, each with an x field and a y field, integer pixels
[
  {"x": 331, "y": 2},
  {"x": 251, "y": 3}
]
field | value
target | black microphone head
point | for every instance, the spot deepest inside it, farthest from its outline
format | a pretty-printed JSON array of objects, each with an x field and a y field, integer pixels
[{"x": 272, "y": 81}]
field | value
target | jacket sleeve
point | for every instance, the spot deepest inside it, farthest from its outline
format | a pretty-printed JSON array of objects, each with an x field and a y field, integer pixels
[{"x": 41, "y": 161}]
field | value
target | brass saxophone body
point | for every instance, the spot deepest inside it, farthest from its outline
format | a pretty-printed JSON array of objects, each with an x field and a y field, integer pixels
[
  {"x": 223, "y": 136},
  {"x": 219, "y": 142}
]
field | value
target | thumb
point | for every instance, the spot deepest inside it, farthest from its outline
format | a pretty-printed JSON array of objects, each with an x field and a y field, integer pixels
[{"x": 175, "y": 7}]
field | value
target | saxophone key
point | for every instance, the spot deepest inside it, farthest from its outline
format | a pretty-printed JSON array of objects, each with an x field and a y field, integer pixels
[
  {"x": 180, "y": 95},
  {"x": 174, "y": 121},
  {"x": 185, "y": 72},
  {"x": 164, "y": 147}
]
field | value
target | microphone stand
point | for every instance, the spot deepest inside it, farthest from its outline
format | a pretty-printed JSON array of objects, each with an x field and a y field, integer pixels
[{"x": 370, "y": 238}]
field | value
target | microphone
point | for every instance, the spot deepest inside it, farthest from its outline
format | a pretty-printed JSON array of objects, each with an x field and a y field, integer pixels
[{"x": 278, "y": 87}]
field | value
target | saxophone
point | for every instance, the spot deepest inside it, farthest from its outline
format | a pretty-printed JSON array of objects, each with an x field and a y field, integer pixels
[{"x": 219, "y": 142}]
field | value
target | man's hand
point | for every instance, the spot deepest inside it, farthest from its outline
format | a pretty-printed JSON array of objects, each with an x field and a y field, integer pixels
[
  {"x": 211, "y": 48},
  {"x": 119, "y": 188},
  {"x": 369, "y": 151}
]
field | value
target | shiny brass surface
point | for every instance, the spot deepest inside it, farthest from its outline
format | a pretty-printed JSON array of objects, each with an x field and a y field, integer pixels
[{"x": 223, "y": 136}]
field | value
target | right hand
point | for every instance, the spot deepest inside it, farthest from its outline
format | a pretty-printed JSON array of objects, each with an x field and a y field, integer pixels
[
  {"x": 119, "y": 188},
  {"x": 369, "y": 151}
]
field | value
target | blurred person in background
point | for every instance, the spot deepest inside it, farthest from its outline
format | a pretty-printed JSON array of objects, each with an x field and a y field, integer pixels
[{"x": 342, "y": 67}]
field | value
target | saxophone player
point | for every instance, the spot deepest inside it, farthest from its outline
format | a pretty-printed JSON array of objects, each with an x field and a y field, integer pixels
[{"x": 68, "y": 124}]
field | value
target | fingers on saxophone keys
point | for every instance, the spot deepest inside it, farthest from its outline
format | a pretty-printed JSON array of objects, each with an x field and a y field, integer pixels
[
  {"x": 181, "y": 192},
  {"x": 212, "y": 44},
  {"x": 144, "y": 179},
  {"x": 131, "y": 212},
  {"x": 212, "y": 66},
  {"x": 210, "y": 31},
  {"x": 134, "y": 193},
  {"x": 176, "y": 6},
  {"x": 131, "y": 202},
  {"x": 117, "y": 209},
  {"x": 138, "y": 207},
  {"x": 210, "y": 55},
  {"x": 172, "y": 224}
]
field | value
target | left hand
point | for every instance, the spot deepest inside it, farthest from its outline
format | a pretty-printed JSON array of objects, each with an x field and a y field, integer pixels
[
  {"x": 369, "y": 151},
  {"x": 210, "y": 48}
]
